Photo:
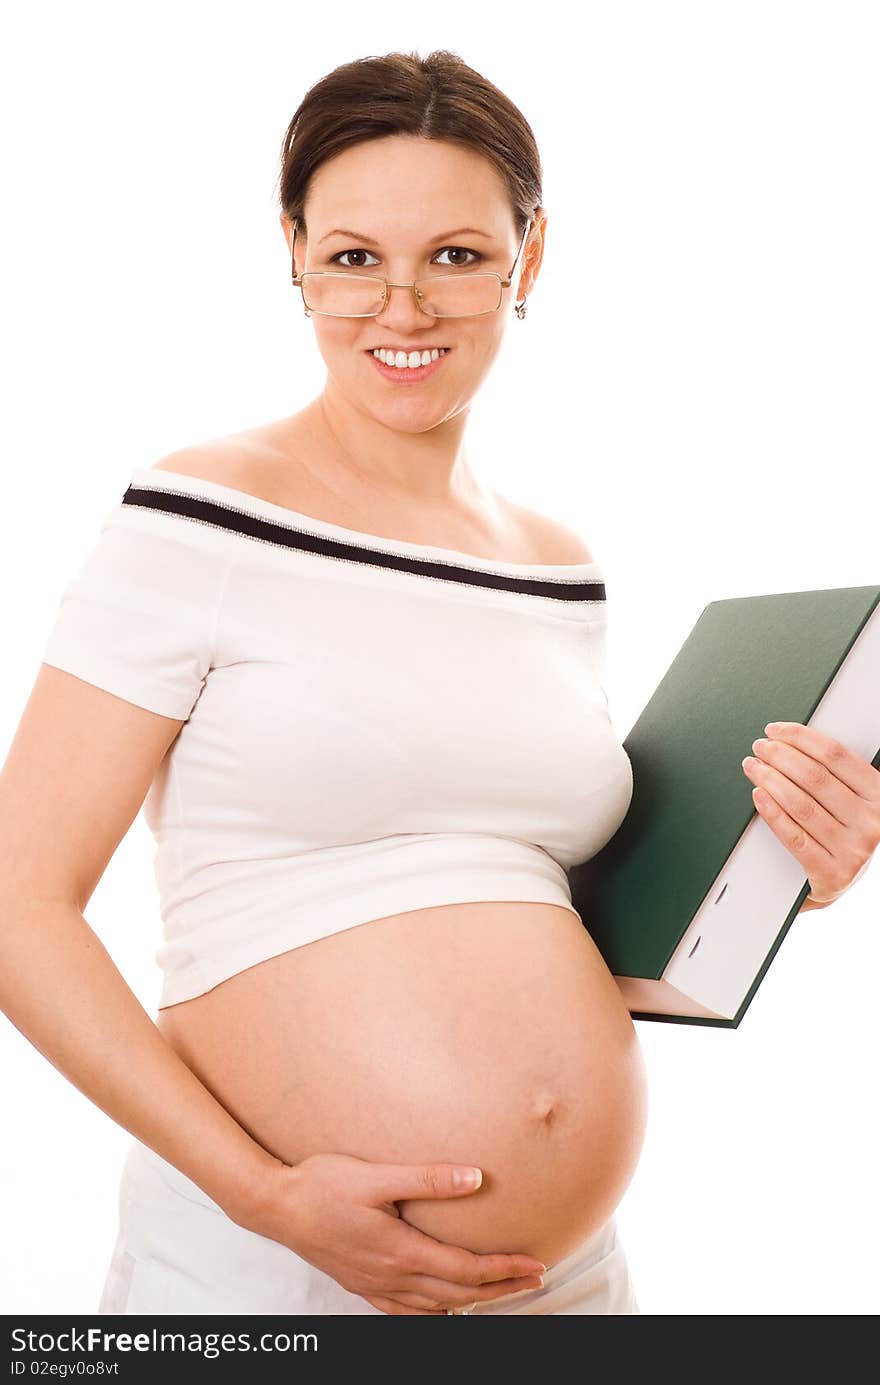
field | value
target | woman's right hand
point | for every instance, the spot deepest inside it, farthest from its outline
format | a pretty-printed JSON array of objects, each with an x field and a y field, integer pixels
[{"x": 338, "y": 1212}]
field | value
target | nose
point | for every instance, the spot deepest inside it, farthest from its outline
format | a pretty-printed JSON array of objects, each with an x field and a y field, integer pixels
[{"x": 401, "y": 309}]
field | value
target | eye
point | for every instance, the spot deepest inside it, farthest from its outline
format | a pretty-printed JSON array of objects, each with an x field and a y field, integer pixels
[
  {"x": 461, "y": 250},
  {"x": 337, "y": 259}
]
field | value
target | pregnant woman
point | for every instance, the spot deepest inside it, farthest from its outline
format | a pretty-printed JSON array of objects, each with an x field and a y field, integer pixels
[{"x": 360, "y": 697}]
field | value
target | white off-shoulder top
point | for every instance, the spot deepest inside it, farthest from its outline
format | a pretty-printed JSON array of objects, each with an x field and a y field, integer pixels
[{"x": 370, "y": 726}]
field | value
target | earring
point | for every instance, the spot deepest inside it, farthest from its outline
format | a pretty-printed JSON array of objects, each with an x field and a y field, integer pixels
[{"x": 520, "y": 309}]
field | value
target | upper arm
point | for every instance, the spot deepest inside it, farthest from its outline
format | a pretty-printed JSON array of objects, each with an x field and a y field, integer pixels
[
  {"x": 122, "y": 668},
  {"x": 75, "y": 776}
]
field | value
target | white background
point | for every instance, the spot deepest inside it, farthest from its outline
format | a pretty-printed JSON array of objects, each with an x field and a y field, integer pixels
[{"x": 694, "y": 389}]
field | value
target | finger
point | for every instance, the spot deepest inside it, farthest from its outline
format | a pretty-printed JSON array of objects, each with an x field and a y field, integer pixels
[
  {"x": 459, "y": 1266},
  {"x": 400, "y": 1182},
  {"x": 815, "y": 779},
  {"x": 857, "y": 773},
  {"x": 432, "y": 1302},
  {"x": 388, "y": 1305},
  {"x": 430, "y": 1290},
  {"x": 817, "y": 863},
  {"x": 799, "y": 804}
]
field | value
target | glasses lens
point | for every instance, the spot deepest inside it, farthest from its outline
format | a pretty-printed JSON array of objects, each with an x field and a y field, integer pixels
[
  {"x": 343, "y": 295},
  {"x": 453, "y": 295},
  {"x": 444, "y": 295}
]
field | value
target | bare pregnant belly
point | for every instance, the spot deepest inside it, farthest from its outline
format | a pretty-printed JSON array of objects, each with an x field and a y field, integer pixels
[{"x": 488, "y": 1033}]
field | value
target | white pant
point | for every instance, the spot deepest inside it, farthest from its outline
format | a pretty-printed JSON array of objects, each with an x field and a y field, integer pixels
[{"x": 178, "y": 1252}]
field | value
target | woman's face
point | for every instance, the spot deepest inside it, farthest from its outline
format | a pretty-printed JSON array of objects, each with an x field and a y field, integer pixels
[{"x": 399, "y": 198}]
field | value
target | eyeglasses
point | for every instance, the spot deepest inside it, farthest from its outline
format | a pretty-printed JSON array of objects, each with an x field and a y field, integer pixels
[{"x": 332, "y": 294}]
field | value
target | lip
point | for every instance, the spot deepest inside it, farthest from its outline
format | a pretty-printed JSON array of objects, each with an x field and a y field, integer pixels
[
  {"x": 435, "y": 346},
  {"x": 407, "y": 376}
]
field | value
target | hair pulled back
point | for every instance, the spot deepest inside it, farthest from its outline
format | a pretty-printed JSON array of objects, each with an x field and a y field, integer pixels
[{"x": 435, "y": 97}]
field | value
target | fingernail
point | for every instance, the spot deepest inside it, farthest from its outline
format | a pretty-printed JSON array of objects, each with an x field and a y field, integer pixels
[{"x": 467, "y": 1178}]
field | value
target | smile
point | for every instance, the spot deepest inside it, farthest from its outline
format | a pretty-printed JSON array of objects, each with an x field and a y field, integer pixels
[{"x": 414, "y": 366}]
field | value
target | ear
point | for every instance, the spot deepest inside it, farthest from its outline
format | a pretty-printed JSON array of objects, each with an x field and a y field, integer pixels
[
  {"x": 287, "y": 228},
  {"x": 533, "y": 253}
]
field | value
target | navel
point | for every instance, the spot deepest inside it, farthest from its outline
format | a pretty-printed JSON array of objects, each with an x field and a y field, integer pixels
[{"x": 546, "y": 1107}]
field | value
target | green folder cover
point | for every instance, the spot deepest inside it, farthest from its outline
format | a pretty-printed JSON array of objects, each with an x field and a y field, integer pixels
[{"x": 690, "y": 833}]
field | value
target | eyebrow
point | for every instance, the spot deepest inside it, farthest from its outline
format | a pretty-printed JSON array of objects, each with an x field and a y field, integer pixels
[{"x": 367, "y": 240}]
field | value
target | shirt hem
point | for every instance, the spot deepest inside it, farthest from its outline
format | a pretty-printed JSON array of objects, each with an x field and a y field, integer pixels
[{"x": 195, "y": 980}]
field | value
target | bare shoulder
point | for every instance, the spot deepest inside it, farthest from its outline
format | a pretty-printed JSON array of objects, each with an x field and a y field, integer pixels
[
  {"x": 263, "y": 461},
  {"x": 229, "y": 461},
  {"x": 553, "y": 541}
]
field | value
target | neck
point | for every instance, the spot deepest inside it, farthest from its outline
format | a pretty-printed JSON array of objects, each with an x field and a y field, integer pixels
[{"x": 375, "y": 462}]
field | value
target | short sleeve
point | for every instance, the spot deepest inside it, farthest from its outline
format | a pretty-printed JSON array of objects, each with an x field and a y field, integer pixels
[{"x": 138, "y": 619}]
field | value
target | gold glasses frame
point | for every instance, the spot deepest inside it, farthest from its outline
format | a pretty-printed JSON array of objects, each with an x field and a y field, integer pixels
[{"x": 297, "y": 281}]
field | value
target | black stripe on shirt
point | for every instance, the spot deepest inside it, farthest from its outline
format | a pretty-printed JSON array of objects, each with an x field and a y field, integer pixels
[{"x": 241, "y": 521}]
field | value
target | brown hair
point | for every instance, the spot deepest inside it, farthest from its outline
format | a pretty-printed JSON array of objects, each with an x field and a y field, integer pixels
[{"x": 436, "y": 97}]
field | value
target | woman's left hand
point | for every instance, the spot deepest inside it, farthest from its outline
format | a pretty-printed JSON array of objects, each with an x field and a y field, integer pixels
[{"x": 821, "y": 800}]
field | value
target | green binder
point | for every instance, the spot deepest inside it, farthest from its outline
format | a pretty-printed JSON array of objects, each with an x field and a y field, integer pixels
[{"x": 692, "y": 897}]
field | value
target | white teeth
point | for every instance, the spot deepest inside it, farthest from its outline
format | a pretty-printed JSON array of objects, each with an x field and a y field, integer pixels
[{"x": 410, "y": 361}]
